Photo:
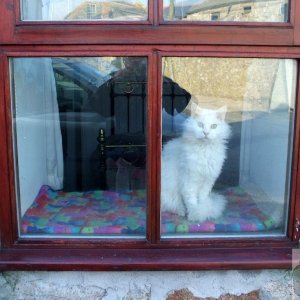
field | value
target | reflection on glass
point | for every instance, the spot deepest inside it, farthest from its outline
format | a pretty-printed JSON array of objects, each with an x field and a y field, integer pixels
[
  {"x": 73, "y": 10},
  {"x": 226, "y": 156},
  {"x": 80, "y": 145},
  {"x": 224, "y": 10}
]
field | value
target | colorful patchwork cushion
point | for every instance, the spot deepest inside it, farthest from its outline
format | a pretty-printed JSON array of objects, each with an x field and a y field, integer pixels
[{"x": 108, "y": 212}]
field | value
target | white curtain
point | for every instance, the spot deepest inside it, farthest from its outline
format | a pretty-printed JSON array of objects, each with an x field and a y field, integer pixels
[{"x": 39, "y": 141}]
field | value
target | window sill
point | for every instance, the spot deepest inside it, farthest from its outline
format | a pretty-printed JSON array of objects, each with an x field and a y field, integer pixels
[{"x": 146, "y": 259}]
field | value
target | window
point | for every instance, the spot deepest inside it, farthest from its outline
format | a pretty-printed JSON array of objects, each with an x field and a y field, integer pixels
[
  {"x": 70, "y": 10},
  {"x": 215, "y": 16},
  {"x": 91, "y": 11},
  {"x": 252, "y": 185},
  {"x": 93, "y": 175},
  {"x": 236, "y": 10},
  {"x": 284, "y": 10},
  {"x": 247, "y": 9},
  {"x": 149, "y": 134}
]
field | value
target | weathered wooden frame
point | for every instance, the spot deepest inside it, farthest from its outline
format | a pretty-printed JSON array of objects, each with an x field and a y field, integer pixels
[{"x": 154, "y": 39}]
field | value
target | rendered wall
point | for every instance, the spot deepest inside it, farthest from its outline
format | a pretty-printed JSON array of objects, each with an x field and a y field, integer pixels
[{"x": 266, "y": 284}]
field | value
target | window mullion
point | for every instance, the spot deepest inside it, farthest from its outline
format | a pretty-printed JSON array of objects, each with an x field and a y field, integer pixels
[{"x": 154, "y": 133}]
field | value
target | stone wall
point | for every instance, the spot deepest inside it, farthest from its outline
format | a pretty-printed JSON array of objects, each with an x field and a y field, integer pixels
[
  {"x": 260, "y": 11},
  {"x": 237, "y": 79},
  {"x": 209, "y": 285}
]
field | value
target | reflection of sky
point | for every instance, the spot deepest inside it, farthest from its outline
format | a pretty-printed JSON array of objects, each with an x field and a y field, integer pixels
[{"x": 182, "y": 2}]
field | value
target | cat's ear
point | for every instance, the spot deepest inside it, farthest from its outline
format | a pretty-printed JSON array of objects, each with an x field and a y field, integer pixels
[
  {"x": 196, "y": 110},
  {"x": 221, "y": 113}
]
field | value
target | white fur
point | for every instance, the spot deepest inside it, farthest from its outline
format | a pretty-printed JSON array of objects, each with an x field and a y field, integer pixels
[{"x": 192, "y": 163}]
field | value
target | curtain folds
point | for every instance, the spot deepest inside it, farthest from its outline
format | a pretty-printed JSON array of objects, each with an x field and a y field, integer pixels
[{"x": 39, "y": 141}]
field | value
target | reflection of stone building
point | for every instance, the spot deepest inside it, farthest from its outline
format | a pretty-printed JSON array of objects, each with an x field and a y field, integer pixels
[
  {"x": 95, "y": 10},
  {"x": 237, "y": 82},
  {"x": 239, "y": 10}
]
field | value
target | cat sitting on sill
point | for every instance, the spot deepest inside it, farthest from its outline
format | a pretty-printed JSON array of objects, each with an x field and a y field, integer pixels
[{"x": 192, "y": 163}]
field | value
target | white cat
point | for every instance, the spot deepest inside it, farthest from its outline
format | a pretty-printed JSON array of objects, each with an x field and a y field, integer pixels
[{"x": 191, "y": 164}]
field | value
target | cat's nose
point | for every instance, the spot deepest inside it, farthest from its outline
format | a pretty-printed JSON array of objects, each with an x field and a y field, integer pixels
[{"x": 206, "y": 133}]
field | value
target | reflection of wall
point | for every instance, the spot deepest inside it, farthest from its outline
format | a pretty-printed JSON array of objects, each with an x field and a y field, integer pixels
[
  {"x": 53, "y": 10},
  {"x": 105, "y": 64},
  {"x": 266, "y": 137},
  {"x": 268, "y": 152},
  {"x": 259, "y": 11},
  {"x": 230, "y": 81},
  {"x": 107, "y": 10}
]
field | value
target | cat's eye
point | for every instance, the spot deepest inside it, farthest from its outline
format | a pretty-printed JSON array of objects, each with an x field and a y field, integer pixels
[
  {"x": 213, "y": 126},
  {"x": 200, "y": 124}
]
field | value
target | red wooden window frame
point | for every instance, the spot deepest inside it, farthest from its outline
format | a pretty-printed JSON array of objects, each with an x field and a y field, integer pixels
[{"x": 154, "y": 39}]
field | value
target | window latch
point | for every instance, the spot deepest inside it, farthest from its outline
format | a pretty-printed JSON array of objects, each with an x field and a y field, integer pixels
[{"x": 297, "y": 230}]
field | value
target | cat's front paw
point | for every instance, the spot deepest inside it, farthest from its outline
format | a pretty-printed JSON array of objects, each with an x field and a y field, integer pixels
[
  {"x": 197, "y": 215},
  {"x": 218, "y": 204},
  {"x": 209, "y": 209},
  {"x": 173, "y": 205}
]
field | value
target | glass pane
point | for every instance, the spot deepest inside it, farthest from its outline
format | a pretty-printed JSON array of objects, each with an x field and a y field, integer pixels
[
  {"x": 80, "y": 145},
  {"x": 226, "y": 155},
  {"x": 225, "y": 10},
  {"x": 74, "y": 10}
]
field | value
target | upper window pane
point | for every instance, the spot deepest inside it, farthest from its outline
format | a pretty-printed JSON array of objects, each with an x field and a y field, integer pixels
[
  {"x": 74, "y": 10},
  {"x": 227, "y": 10}
]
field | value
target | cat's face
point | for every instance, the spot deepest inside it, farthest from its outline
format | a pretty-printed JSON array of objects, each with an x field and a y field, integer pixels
[{"x": 207, "y": 124}]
